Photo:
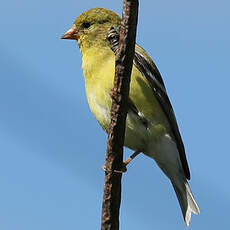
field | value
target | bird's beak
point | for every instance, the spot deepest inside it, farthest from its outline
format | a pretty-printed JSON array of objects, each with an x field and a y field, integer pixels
[{"x": 72, "y": 34}]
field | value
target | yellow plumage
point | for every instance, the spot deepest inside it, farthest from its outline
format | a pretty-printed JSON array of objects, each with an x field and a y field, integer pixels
[
  {"x": 151, "y": 125},
  {"x": 98, "y": 66}
]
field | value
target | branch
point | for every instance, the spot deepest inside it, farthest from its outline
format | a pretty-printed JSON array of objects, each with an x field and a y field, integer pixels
[{"x": 116, "y": 134}]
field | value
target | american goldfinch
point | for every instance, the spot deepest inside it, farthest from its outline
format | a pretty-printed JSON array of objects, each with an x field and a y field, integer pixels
[{"x": 151, "y": 126}]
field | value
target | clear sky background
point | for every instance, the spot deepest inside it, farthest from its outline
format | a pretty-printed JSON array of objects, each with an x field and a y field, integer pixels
[{"x": 52, "y": 148}]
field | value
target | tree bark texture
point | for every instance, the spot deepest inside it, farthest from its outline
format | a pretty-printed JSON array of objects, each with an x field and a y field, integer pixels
[{"x": 116, "y": 134}]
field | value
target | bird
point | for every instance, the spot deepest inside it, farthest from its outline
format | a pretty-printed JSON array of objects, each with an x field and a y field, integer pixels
[{"x": 151, "y": 126}]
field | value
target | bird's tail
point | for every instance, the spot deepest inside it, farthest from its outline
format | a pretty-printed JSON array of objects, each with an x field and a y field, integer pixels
[{"x": 187, "y": 202}]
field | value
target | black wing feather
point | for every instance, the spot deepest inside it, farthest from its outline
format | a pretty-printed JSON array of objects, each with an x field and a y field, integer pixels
[
  {"x": 156, "y": 82},
  {"x": 151, "y": 73}
]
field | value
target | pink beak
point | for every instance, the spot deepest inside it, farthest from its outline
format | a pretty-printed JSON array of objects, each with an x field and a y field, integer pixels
[{"x": 71, "y": 34}]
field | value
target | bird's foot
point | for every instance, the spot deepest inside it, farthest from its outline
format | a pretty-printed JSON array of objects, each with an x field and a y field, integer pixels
[
  {"x": 124, "y": 165},
  {"x": 123, "y": 169}
]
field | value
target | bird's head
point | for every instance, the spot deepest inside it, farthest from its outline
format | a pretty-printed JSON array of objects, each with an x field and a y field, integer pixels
[{"x": 92, "y": 26}]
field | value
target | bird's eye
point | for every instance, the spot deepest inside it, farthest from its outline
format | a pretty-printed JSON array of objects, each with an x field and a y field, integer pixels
[{"x": 86, "y": 25}]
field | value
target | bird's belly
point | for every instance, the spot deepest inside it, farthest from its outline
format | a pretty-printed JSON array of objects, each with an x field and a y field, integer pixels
[
  {"x": 99, "y": 82},
  {"x": 100, "y": 109},
  {"x": 136, "y": 133}
]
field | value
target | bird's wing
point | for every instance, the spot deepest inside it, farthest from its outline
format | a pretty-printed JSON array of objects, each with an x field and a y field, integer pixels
[
  {"x": 151, "y": 73},
  {"x": 148, "y": 69}
]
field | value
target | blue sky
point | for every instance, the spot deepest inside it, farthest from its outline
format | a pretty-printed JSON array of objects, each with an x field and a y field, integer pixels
[{"x": 51, "y": 147}]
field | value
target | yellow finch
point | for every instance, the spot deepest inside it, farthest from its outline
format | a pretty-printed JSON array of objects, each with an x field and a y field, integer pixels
[{"x": 151, "y": 125}]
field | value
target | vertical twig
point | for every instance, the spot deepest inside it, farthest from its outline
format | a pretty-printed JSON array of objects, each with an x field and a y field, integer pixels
[{"x": 120, "y": 92}]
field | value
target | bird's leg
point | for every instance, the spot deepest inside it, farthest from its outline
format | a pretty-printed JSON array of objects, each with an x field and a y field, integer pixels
[{"x": 125, "y": 163}]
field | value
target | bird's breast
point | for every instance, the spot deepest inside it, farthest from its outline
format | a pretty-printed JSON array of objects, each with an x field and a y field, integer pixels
[{"x": 98, "y": 68}]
